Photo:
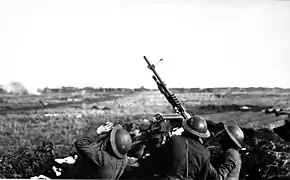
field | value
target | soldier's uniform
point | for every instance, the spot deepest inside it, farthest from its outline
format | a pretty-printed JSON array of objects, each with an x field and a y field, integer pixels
[
  {"x": 229, "y": 166},
  {"x": 229, "y": 163},
  {"x": 184, "y": 157},
  {"x": 102, "y": 157}
]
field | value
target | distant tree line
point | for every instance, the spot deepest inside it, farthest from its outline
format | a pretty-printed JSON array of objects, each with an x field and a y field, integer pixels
[
  {"x": 18, "y": 88},
  {"x": 92, "y": 89}
]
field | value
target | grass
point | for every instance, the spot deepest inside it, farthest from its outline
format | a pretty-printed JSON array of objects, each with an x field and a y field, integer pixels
[{"x": 62, "y": 124}]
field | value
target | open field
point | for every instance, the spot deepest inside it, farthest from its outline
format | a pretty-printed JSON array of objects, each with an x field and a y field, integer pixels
[{"x": 27, "y": 121}]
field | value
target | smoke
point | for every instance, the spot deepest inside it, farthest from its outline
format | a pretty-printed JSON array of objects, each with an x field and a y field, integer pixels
[
  {"x": 33, "y": 91},
  {"x": 16, "y": 87}
]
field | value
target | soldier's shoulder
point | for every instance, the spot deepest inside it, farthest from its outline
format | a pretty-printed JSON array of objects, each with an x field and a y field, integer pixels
[
  {"x": 176, "y": 137},
  {"x": 176, "y": 140},
  {"x": 199, "y": 149},
  {"x": 233, "y": 153},
  {"x": 206, "y": 152}
]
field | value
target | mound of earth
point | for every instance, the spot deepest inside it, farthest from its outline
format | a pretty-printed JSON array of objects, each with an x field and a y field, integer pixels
[
  {"x": 211, "y": 109},
  {"x": 283, "y": 131}
]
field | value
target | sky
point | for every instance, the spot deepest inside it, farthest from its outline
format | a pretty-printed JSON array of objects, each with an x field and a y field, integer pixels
[{"x": 101, "y": 43}]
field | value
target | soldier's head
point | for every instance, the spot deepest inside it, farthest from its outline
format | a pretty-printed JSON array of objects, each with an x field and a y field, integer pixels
[
  {"x": 196, "y": 127},
  {"x": 120, "y": 141},
  {"x": 232, "y": 138}
]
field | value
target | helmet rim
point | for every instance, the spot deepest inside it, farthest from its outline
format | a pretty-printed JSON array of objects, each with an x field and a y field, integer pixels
[
  {"x": 113, "y": 141},
  {"x": 190, "y": 130},
  {"x": 232, "y": 137}
]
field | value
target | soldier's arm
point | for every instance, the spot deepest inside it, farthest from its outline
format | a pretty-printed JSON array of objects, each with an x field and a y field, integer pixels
[
  {"x": 93, "y": 135},
  {"x": 212, "y": 173},
  {"x": 156, "y": 162},
  {"x": 226, "y": 166},
  {"x": 88, "y": 149}
]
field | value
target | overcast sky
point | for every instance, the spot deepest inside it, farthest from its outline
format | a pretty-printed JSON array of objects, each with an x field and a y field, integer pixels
[{"x": 102, "y": 42}]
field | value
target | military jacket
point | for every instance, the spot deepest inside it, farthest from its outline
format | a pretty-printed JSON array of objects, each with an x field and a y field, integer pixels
[
  {"x": 182, "y": 158},
  {"x": 95, "y": 161},
  {"x": 229, "y": 166}
]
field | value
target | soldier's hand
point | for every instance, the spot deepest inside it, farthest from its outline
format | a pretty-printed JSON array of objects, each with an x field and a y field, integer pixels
[
  {"x": 40, "y": 177},
  {"x": 105, "y": 128},
  {"x": 177, "y": 131},
  {"x": 68, "y": 160}
]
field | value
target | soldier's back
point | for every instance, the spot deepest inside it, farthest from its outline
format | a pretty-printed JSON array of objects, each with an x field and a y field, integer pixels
[
  {"x": 198, "y": 155},
  {"x": 95, "y": 162},
  {"x": 234, "y": 156}
]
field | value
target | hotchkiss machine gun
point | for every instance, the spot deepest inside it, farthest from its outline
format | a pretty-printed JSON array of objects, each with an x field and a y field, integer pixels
[{"x": 162, "y": 126}]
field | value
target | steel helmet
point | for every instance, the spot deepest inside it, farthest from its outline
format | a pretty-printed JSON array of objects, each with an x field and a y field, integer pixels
[
  {"x": 120, "y": 140},
  {"x": 236, "y": 134},
  {"x": 196, "y": 125}
]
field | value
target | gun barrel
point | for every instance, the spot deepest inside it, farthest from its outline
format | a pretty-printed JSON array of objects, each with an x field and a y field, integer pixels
[
  {"x": 151, "y": 66},
  {"x": 164, "y": 90},
  {"x": 147, "y": 61}
]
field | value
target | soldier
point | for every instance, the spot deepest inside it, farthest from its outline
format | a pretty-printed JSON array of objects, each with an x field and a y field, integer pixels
[
  {"x": 229, "y": 163},
  {"x": 184, "y": 156},
  {"x": 102, "y": 153}
]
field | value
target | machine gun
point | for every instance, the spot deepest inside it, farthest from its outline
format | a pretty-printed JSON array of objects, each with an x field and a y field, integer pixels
[
  {"x": 171, "y": 98},
  {"x": 172, "y": 120},
  {"x": 163, "y": 125},
  {"x": 153, "y": 134}
]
